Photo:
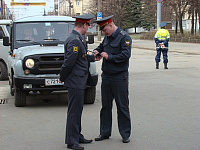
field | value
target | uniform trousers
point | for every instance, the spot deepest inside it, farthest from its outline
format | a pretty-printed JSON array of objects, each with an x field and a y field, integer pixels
[
  {"x": 75, "y": 108},
  {"x": 115, "y": 87},
  {"x": 164, "y": 52}
]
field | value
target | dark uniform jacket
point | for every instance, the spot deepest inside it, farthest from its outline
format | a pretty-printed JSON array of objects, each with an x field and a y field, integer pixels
[
  {"x": 118, "y": 48},
  {"x": 75, "y": 69}
]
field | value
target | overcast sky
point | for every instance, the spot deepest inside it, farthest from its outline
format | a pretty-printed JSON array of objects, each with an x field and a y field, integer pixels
[{"x": 23, "y": 11}]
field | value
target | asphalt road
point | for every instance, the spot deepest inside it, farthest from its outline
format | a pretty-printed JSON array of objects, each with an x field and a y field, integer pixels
[{"x": 164, "y": 107}]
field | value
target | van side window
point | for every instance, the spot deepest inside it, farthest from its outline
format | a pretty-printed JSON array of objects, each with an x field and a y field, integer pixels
[
  {"x": 2, "y": 31},
  {"x": 8, "y": 28}
]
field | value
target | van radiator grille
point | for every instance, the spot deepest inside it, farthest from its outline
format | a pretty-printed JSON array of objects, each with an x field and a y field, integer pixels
[{"x": 46, "y": 63}]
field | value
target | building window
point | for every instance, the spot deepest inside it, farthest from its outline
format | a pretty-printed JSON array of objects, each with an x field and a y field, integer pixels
[{"x": 77, "y": 2}]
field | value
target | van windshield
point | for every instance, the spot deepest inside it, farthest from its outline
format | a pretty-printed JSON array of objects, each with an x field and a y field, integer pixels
[{"x": 32, "y": 33}]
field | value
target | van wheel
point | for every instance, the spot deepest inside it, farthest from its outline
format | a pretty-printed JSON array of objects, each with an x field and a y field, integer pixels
[
  {"x": 90, "y": 94},
  {"x": 20, "y": 98},
  {"x": 3, "y": 71}
]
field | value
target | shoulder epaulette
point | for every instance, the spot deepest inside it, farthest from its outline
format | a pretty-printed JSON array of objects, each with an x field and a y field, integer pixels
[
  {"x": 122, "y": 33},
  {"x": 77, "y": 37}
]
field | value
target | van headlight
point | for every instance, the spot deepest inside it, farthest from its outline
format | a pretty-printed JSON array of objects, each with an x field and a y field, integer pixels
[{"x": 29, "y": 63}]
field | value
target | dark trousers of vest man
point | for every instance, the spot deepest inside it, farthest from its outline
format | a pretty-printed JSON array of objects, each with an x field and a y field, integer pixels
[
  {"x": 115, "y": 87},
  {"x": 75, "y": 108},
  {"x": 165, "y": 57}
]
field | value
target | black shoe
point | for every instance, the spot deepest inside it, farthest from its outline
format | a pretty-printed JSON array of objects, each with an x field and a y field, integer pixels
[
  {"x": 165, "y": 66},
  {"x": 157, "y": 65},
  {"x": 75, "y": 147},
  {"x": 125, "y": 140},
  {"x": 85, "y": 141},
  {"x": 101, "y": 137}
]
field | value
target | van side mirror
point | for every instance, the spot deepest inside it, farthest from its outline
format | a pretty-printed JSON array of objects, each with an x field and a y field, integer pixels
[
  {"x": 1, "y": 35},
  {"x": 6, "y": 41}
]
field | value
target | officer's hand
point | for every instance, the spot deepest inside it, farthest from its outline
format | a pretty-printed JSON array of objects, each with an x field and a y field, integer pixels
[
  {"x": 97, "y": 57},
  {"x": 160, "y": 44},
  {"x": 95, "y": 52},
  {"x": 104, "y": 55}
]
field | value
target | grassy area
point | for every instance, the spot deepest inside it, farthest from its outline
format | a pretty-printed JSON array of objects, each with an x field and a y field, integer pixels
[{"x": 135, "y": 36}]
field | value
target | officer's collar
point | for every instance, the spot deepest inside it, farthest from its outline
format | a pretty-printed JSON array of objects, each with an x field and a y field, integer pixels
[
  {"x": 77, "y": 33},
  {"x": 116, "y": 32}
]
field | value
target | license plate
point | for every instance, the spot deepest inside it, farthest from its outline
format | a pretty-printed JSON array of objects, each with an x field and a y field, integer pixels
[{"x": 49, "y": 82}]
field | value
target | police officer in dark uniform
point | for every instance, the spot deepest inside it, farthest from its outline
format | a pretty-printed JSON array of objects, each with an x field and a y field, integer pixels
[
  {"x": 74, "y": 73},
  {"x": 116, "y": 51}
]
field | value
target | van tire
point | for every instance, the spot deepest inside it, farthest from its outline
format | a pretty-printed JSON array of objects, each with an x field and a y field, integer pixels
[
  {"x": 3, "y": 71},
  {"x": 20, "y": 98},
  {"x": 90, "y": 94}
]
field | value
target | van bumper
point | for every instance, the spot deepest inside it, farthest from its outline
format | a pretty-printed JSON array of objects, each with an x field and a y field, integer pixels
[{"x": 38, "y": 84}]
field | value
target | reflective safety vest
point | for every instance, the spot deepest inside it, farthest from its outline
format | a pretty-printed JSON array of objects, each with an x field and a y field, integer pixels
[{"x": 162, "y": 34}]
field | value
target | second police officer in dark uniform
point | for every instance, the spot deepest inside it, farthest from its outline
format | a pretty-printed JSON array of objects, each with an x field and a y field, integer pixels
[
  {"x": 74, "y": 73},
  {"x": 116, "y": 51}
]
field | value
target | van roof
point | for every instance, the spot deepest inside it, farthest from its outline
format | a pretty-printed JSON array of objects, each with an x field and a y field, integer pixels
[
  {"x": 5, "y": 22},
  {"x": 45, "y": 18}
]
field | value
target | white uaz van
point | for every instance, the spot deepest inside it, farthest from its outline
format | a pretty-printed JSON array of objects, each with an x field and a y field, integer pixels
[{"x": 36, "y": 55}]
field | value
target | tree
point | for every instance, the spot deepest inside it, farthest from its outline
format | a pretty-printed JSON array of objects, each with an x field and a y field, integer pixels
[
  {"x": 179, "y": 7},
  {"x": 116, "y": 8},
  {"x": 149, "y": 15},
  {"x": 109, "y": 7},
  {"x": 133, "y": 14},
  {"x": 194, "y": 12},
  {"x": 128, "y": 13}
]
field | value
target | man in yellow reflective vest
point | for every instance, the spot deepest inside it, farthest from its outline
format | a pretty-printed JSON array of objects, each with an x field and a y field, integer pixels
[{"x": 161, "y": 39}]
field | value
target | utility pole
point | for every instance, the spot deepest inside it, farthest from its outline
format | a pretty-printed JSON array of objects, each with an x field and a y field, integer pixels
[
  {"x": 158, "y": 13},
  {"x": 99, "y": 10},
  {"x": 2, "y": 9},
  {"x": 58, "y": 7},
  {"x": 69, "y": 7}
]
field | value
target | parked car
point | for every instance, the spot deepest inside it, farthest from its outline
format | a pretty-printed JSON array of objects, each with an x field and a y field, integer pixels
[{"x": 4, "y": 31}]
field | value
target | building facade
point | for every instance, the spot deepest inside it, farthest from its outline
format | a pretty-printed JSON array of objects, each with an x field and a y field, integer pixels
[{"x": 73, "y": 7}]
